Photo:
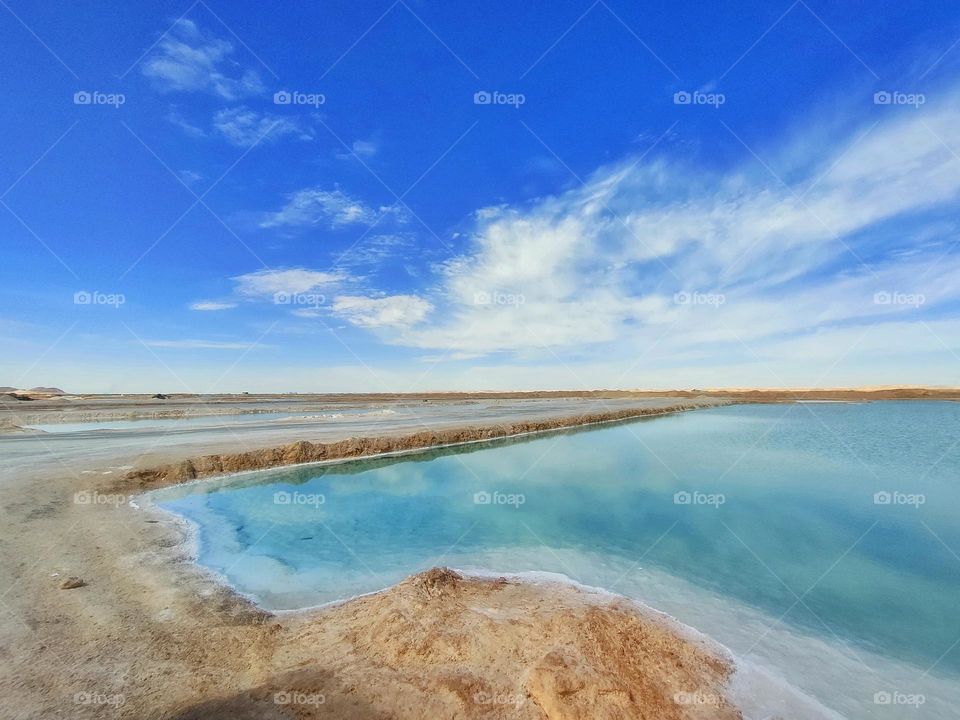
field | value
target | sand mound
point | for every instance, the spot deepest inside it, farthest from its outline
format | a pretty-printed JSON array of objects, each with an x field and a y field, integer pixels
[
  {"x": 46, "y": 391},
  {"x": 6, "y": 426},
  {"x": 442, "y": 645}
]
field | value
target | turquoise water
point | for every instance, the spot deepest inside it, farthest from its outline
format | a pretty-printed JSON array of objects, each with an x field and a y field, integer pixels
[{"x": 759, "y": 525}]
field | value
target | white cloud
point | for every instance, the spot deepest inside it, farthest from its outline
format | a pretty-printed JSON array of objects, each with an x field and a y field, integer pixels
[
  {"x": 211, "y": 305},
  {"x": 189, "y": 177},
  {"x": 599, "y": 265},
  {"x": 376, "y": 250},
  {"x": 201, "y": 345},
  {"x": 391, "y": 311},
  {"x": 244, "y": 127},
  {"x": 362, "y": 149},
  {"x": 187, "y": 60},
  {"x": 333, "y": 208},
  {"x": 264, "y": 283},
  {"x": 175, "y": 118}
]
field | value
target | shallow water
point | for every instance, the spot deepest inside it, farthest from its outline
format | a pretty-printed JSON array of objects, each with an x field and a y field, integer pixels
[{"x": 759, "y": 525}]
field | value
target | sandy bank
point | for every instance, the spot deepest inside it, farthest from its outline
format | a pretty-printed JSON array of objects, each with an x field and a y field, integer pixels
[
  {"x": 302, "y": 451},
  {"x": 8, "y": 427}
]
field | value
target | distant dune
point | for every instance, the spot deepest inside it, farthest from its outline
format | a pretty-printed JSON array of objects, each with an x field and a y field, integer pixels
[{"x": 37, "y": 393}]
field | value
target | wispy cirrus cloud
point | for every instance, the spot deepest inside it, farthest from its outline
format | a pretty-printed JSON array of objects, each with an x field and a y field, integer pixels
[
  {"x": 189, "y": 177},
  {"x": 176, "y": 118},
  {"x": 388, "y": 311},
  {"x": 244, "y": 127},
  {"x": 306, "y": 294},
  {"x": 359, "y": 149},
  {"x": 188, "y": 60},
  {"x": 330, "y": 208},
  {"x": 212, "y": 305},
  {"x": 268, "y": 282},
  {"x": 376, "y": 250},
  {"x": 664, "y": 254},
  {"x": 201, "y": 345},
  {"x": 294, "y": 288}
]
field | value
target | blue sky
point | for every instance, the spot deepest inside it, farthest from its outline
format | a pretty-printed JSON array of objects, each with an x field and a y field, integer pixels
[{"x": 425, "y": 196}]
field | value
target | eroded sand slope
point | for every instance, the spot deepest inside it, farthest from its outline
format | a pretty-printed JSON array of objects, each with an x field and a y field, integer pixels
[{"x": 442, "y": 646}]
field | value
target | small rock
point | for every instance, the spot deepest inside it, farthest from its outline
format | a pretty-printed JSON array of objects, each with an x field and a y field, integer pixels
[{"x": 72, "y": 582}]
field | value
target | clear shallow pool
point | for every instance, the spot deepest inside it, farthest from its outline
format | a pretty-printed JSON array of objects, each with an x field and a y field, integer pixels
[{"x": 759, "y": 525}]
